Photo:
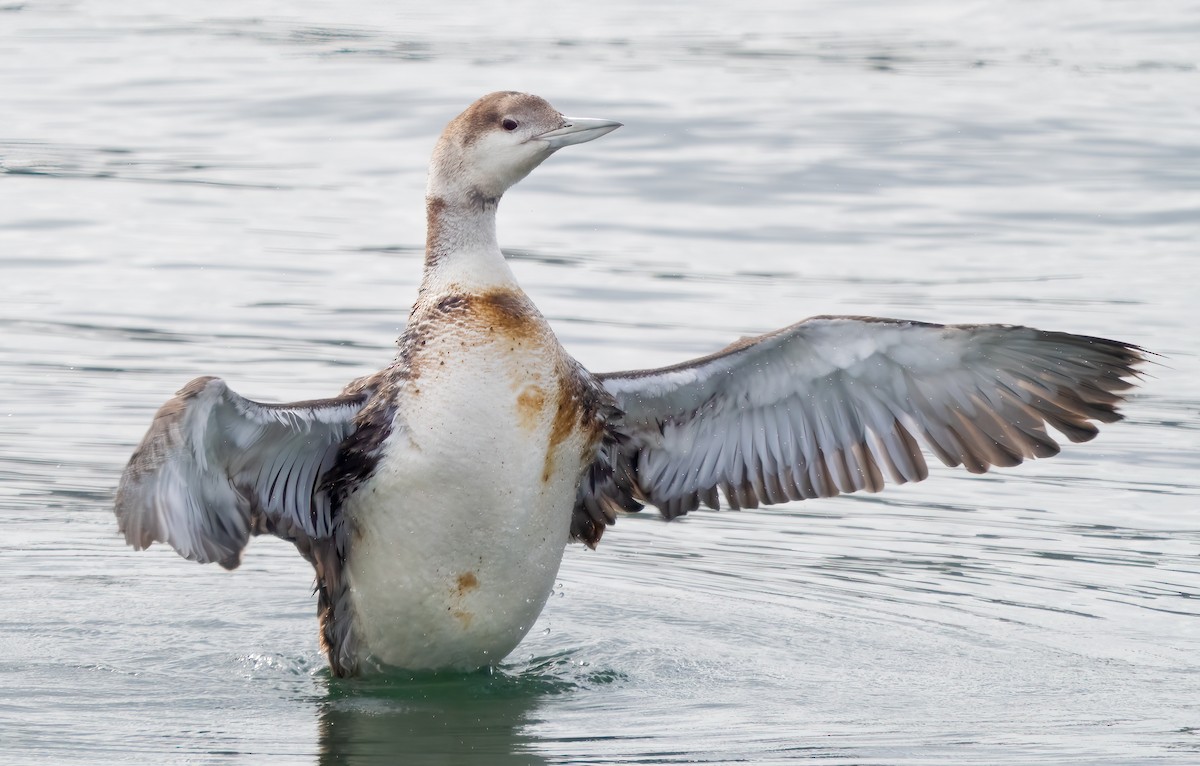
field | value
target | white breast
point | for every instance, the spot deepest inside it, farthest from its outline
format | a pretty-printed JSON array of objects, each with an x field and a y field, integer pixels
[{"x": 458, "y": 537}]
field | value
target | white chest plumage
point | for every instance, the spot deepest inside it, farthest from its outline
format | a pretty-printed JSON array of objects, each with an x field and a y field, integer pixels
[{"x": 458, "y": 536}]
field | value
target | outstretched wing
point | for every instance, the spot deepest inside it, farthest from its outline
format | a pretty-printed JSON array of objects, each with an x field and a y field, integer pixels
[
  {"x": 836, "y": 404},
  {"x": 216, "y": 467}
]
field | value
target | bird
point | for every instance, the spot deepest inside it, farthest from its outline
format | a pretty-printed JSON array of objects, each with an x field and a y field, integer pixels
[{"x": 435, "y": 498}]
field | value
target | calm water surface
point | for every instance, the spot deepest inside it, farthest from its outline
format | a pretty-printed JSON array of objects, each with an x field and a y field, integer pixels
[{"x": 236, "y": 189}]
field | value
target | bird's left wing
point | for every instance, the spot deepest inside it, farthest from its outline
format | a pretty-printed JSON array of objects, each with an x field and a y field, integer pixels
[
  {"x": 836, "y": 404},
  {"x": 216, "y": 467}
]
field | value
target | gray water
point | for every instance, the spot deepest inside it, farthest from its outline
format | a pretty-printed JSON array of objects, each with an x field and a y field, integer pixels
[{"x": 235, "y": 188}]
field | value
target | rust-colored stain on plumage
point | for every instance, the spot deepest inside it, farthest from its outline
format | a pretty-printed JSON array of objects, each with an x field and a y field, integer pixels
[
  {"x": 507, "y": 314},
  {"x": 530, "y": 403},
  {"x": 434, "y": 211},
  {"x": 503, "y": 315},
  {"x": 464, "y": 584},
  {"x": 507, "y": 311},
  {"x": 567, "y": 415},
  {"x": 467, "y": 582}
]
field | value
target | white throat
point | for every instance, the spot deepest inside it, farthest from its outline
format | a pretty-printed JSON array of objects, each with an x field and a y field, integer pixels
[{"x": 461, "y": 250}]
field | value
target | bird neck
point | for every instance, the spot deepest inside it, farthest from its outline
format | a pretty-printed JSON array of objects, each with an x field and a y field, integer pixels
[{"x": 461, "y": 251}]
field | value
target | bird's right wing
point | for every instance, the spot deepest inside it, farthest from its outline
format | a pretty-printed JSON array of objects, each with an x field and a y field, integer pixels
[{"x": 216, "y": 467}]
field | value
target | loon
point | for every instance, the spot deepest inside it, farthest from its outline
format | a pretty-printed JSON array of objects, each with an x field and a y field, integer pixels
[{"x": 435, "y": 498}]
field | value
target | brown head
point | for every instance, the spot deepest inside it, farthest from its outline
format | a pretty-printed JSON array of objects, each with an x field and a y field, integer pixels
[{"x": 497, "y": 141}]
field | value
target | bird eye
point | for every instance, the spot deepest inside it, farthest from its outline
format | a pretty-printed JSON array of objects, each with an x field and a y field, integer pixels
[{"x": 509, "y": 123}]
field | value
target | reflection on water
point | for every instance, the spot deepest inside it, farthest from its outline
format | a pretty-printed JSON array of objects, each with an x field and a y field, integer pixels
[
  {"x": 480, "y": 717},
  {"x": 452, "y": 720},
  {"x": 236, "y": 189}
]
